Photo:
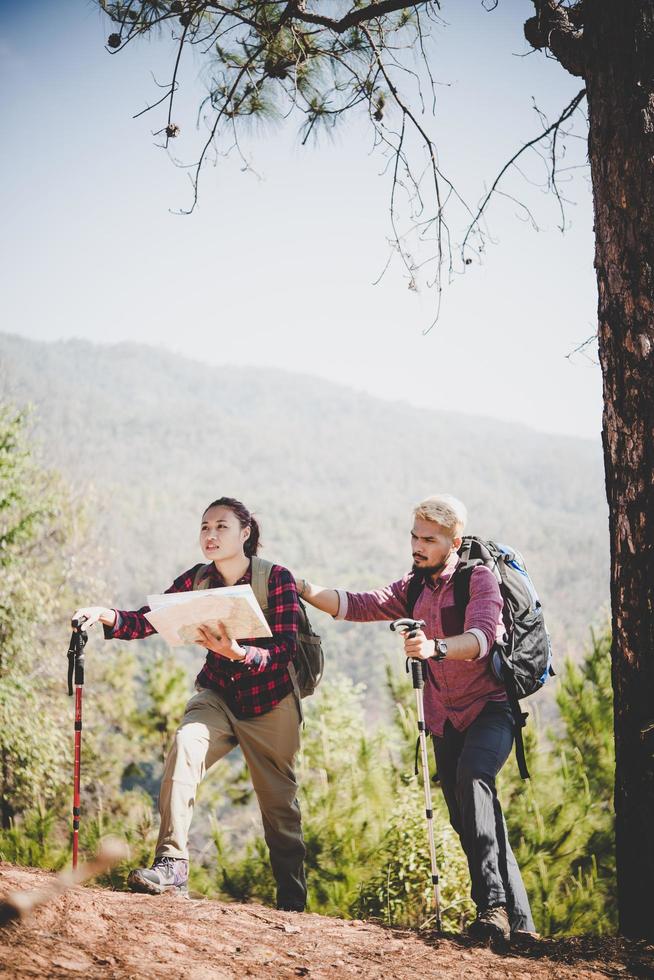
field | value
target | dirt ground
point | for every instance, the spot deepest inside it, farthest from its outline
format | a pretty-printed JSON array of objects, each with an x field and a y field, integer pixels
[{"x": 90, "y": 932}]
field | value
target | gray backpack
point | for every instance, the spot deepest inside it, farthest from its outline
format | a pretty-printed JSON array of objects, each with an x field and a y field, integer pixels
[{"x": 308, "y": 662}]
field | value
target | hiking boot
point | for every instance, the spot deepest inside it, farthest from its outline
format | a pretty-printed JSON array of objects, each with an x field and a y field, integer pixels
[
  {"x": 492, "y": 923},
  {"x": 167, "y": 875},
  {"x": 524, "y": 938}
]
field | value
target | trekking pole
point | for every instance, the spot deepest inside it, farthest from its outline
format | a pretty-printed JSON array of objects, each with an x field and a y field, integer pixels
[
  {"x": 76, "y": 673},
  {"x": 418, "y": 672}
]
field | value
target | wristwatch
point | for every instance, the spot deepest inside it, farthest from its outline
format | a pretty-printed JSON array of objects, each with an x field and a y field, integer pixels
[{"x": 440, "y": 650}]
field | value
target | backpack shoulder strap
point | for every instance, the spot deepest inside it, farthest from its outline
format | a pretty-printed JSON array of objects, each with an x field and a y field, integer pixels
[
  {"x": 200, "y": 573},
  {"x": 261, "y": 570},
  {"x": 462, "y": 578},
  {"x": 416, "y": 584},
  {"x": 461, "y": 599}
]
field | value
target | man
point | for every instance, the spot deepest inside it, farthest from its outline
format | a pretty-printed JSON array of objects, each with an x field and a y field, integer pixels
[{"x": 466, "y": 707}]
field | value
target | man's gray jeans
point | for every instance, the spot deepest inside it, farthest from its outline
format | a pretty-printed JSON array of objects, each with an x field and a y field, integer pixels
[{"x": 468, "y": 763}]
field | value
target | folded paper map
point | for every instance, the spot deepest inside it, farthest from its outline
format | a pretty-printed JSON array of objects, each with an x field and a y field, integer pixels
[{"x": 177, "y": 615}]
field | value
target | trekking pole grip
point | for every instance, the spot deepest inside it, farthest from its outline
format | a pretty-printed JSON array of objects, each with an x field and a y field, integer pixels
[
  {"x": 79, "y": 667},
  {"x": 418, "y": 673},
  {"x": 78, "y": 641},
  {"x": 409, "y": 627}
]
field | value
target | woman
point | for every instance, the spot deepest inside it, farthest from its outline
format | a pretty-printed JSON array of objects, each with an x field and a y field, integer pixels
[{"x": 244, "y": 696}]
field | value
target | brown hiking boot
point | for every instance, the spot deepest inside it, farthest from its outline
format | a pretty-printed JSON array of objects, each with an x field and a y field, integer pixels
[{"x": 492, "y": 923}]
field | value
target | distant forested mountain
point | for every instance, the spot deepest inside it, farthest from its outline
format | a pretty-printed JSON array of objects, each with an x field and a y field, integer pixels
[{"x": 151, "y": 437}]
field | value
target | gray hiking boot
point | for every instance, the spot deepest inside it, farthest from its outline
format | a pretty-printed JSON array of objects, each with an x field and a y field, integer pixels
[
  {"x": 167, "y": 875},
  {"x": 521, "y": 937},
  {"x": 492, "y": 923}
]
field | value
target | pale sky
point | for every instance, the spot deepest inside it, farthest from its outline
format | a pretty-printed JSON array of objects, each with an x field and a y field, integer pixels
[{"x": 278, "y": 269}]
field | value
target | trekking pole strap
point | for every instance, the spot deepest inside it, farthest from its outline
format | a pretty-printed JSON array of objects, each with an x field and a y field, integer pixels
[
  {"x": 421, "y": 728},
  {"x": 71, "y": 668}
]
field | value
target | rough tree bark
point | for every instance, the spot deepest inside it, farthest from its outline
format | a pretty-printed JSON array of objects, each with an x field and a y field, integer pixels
[{"x": 612, "y": 46}]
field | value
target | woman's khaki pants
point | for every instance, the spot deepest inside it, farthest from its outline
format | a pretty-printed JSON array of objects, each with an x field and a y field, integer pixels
[{"x": 209, "y": 730}]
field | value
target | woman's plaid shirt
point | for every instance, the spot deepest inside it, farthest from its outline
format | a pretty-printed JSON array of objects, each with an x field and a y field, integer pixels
[{"x": 255, "y": 685}]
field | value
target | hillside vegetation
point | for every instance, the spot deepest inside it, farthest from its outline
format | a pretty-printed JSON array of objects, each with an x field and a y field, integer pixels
[
  {"x": 60, "y": 540},
  {"x": 149, "y": 438}
]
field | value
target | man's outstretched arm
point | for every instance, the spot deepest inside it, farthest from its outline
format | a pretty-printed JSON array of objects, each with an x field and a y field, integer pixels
[
  {"x": 357, "y": 607},
  {"x": 318, "y": 596}
]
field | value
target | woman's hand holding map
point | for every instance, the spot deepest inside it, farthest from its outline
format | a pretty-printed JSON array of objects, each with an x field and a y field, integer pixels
[{"x": 219, "y": 642}]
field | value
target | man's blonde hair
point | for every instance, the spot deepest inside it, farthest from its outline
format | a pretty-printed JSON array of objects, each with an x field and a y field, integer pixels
[{"x": 443, "y": 509}]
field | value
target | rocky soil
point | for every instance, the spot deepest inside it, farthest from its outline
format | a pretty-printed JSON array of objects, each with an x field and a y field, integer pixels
[{"x": 90, "y": 932}]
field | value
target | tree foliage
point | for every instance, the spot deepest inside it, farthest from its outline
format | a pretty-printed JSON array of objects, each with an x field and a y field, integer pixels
[
  {"x": 34, "y": 528},
  {"x": 49, "y": 559},
  {"x": 268, "y": 61},
  {"x": 562, "y": 820}
]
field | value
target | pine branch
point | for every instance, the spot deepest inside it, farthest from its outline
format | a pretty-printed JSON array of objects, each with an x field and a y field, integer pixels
[{"x": 358, "y": 16}]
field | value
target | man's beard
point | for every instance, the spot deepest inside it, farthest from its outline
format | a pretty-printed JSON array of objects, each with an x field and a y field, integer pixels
[{"x": 428, "y": 570}]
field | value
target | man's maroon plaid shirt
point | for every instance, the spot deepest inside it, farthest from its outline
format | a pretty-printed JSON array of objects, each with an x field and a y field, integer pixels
[{"x": 252, "y": 686}]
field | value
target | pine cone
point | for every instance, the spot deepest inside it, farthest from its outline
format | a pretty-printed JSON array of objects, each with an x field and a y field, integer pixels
[{"x": 113, "y": 41}]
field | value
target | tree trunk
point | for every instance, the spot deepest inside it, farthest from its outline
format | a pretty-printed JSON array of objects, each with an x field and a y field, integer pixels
[
  {"x": 619, "y": 42},
  {"x": 7, "y": 811}
]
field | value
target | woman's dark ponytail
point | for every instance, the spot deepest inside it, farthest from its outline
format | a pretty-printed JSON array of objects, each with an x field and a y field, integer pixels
[
  {"x": 251, "y": 546},
  {"x": 245, "y": 519}
]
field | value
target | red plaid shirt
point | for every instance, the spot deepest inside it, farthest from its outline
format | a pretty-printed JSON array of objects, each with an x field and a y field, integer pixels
[{"x": 252, "y": 686}]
